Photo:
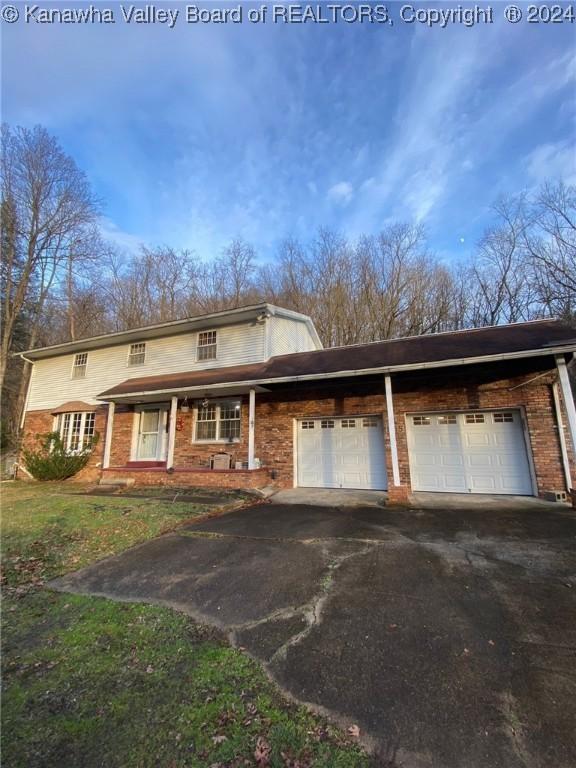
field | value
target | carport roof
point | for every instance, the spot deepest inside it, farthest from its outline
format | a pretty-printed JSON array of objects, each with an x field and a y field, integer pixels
[{"x": 535, "y": 338}]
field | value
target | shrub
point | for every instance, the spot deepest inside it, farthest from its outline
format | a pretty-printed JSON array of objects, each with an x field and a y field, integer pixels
[{"x": 51, "y": 460}]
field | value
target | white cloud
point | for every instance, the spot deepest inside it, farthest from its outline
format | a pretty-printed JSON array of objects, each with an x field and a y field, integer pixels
[
  {"x": 123, "y": 240},
  {"x": 341, "y": 193},
  {"x": 552, "y": 161}
]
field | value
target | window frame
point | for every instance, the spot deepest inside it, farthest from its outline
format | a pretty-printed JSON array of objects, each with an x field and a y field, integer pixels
[
  {"x": 474, "y": 417},
  {"x": 76, "y": 368},
  {"x": 503, "y": 417},
  {"x": 65, "y": 427},
  {"x": 129, "y": 361},
  {"x": 218, "y": 406},
  {"x": 208, "y": 345}
]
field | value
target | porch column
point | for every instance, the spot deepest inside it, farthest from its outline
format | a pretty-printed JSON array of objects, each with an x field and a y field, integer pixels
[
  {"x": 392, "y": 431},
  {"x": 567, "y": 397},
  {"x": 251, "y": 423},
  {"x": 108, "y": 438},
  {"x": 562, "y": 437},
  {"x": 171, "y": 432}
]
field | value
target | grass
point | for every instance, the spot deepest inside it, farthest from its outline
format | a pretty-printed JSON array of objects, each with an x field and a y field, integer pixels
[{"x": 89, "y": 682}]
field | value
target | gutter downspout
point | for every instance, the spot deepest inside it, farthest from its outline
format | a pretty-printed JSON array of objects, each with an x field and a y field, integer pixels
[{"x": 28, "y": 388}]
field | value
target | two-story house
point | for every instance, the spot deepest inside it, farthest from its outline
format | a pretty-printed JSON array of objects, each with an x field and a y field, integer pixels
[{"x": 248, "y": 397}]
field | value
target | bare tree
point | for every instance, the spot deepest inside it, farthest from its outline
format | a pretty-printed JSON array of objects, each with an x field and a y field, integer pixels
[
  {"x": 500, "y": 279},
  {"x": 47, "y": 210},
  {"x": 552, "y": 245}
]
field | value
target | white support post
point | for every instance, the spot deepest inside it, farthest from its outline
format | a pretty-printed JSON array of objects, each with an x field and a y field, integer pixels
[
  {"x": 567, "y": 397},
  {"x": 392, "y": 431},
  {"x": 563, "y": 448},
  {"x": 171, "y": 432},
  {"x": 251, "y": 424},
  {"x": 108, "y": 439}
]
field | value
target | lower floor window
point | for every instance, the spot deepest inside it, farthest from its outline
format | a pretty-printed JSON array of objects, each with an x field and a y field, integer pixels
[
  {"x": 76, "y": 430},
  {"x": 218, "y": 421}
]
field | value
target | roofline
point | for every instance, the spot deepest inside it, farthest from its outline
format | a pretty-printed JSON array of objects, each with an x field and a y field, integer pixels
[
  {"x": 120, "y": 337},
  {"x": 351, "y": 373},
  {"x": 439, "y": 333}
]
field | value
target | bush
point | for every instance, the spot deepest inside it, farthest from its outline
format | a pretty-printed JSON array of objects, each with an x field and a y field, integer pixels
[{"x": 52, "y": 462}]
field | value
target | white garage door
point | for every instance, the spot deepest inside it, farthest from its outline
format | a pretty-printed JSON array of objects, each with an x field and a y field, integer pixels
[
  {"x": 342, "y": 453},
  {"x": 482, "y": 452}
]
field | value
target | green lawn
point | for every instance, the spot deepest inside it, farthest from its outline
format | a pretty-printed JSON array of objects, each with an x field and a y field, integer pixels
[{"x": 89, "y": 682}]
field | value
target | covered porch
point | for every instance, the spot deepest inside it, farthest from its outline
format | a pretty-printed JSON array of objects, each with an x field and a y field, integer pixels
[{"x": 203, "y": 436}]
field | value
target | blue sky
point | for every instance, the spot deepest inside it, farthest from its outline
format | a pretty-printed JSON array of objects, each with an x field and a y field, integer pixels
[{"x": 202, "y": 133}]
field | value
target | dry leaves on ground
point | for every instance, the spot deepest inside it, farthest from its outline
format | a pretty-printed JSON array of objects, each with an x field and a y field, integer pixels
[{"x": 262, "y": 752}]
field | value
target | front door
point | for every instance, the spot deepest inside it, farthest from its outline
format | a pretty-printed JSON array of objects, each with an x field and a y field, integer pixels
[{"x": 151, "y": 438}]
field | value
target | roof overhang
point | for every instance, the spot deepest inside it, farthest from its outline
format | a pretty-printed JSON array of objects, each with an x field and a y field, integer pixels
[
  {"x": 261, "y": 384},
  {"x": 194, "y": 393}
]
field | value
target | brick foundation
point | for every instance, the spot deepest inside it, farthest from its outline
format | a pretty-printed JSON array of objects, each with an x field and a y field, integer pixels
[{"x": 218, "y": 478}]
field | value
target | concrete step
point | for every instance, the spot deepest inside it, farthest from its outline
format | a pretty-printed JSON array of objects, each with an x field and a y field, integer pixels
[{"x": 117, "y": 482}]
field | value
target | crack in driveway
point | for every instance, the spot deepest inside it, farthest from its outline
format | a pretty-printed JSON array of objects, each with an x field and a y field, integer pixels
[
  {"x": 448, "y": 641},
  {"x": 312, "y": 612}
]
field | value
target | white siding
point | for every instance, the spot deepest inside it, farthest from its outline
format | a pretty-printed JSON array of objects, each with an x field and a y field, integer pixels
[
  {"x": 287, "y": 335},
  {"x": 53, "y": 385}
]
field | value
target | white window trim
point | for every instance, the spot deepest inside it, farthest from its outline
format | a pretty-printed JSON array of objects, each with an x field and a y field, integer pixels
[
  {"x": 198, "y": 347},
  {"x": 59, "y": 427},
  {"x": 136, "y": 365},
  {"x": 78, "y": 367},
  {"x": 219, "y": 440}
]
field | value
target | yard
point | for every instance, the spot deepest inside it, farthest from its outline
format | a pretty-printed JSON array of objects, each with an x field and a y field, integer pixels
[{"x": 90, "y": 682}]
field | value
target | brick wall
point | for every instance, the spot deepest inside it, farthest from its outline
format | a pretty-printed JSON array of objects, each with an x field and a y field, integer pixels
[
  {"x": 191, "y": 454},
  {"x": 187, "y": 453},
  {"x": 275, "y": 416},
  {"x": 38, "y": 423},
  {"x": 121, "y": 436},
  {"x": 536, "y": 400}
]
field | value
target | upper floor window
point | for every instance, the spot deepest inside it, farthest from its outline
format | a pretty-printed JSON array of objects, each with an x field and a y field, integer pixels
[
  {"x": 80, "y": 365},
  {"x": 206, "y": 349},
  {"x": 137, "y": 354},
  {"x": 76, "y": 430}
]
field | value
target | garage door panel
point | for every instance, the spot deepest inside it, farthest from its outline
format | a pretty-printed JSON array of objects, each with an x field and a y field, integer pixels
[
  {"x": 439, "y": 481},
  {"x": 482, "y": 452},
  {"x": 480, "y": 461},
  {"x": 477, "y": 440},
  {"x": 349, "y": 453},
  {"x": 451, "y": 460},
  {"x": 483, "y": 483}
]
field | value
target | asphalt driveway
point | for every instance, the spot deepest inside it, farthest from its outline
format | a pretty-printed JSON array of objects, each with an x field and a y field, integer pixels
[{"x": 448, "y": 636}]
